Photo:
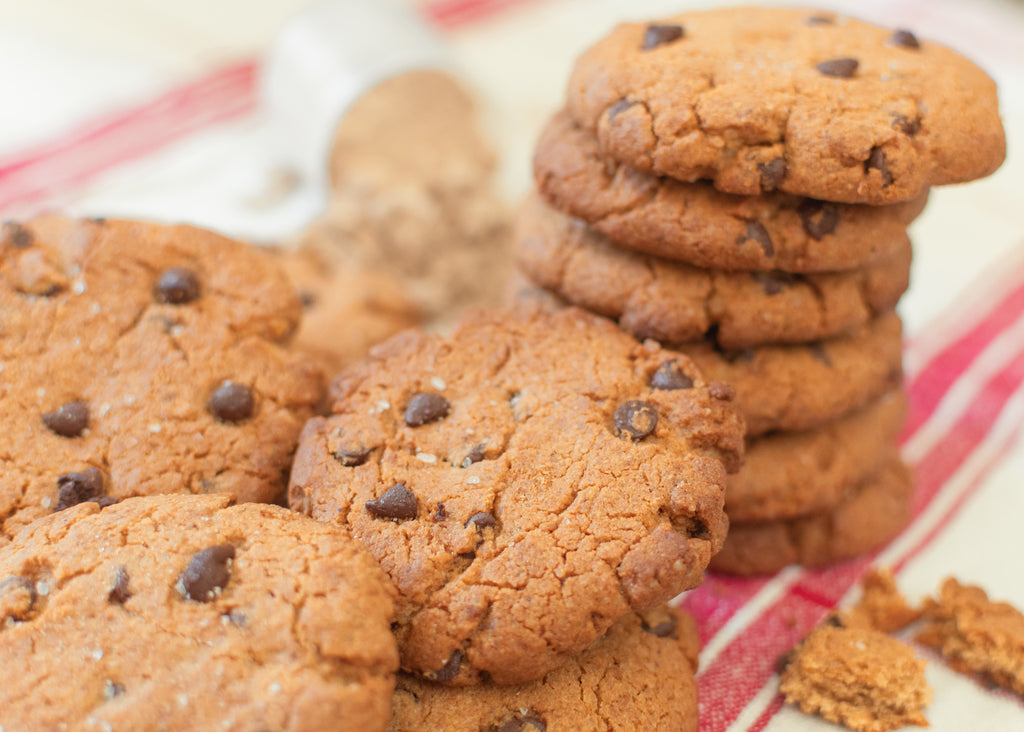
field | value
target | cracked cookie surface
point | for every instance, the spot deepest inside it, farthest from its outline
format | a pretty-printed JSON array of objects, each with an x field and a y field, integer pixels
[
  {"x": 524, "y": 483},
  {"x": 639, "y": 676},
  {"x": 141, "y": 359},
  {"x": 183, "y": 612},
  {"x": 672, "y": 302},
  {"x": 698, "y": 224},
  {"x": 809, "y": 103}
]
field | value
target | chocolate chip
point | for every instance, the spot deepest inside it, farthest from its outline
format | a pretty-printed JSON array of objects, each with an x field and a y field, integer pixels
[
  {"x": 665, "y": 628},
  {"x": 450, "y": 670},
  {"x": 18, "y": 235},
  {"x": 659, "y": 35},
  {"x": 426, "y": 407},
  {"x": 397, "y": 502},
  {"x": 906, "y": 125},
  {"x": 774, "y": 282},
  {"x": 834, "y": 621},
  {"x": 670, "y": 377},
  {"x": 772, "y": 173},
  {"x": 75, "y": 488},
  {"x": 68, "y": 420},
  {"x": 783, "y": 661},
  {"x": 818, "y": 217},
  {"x": 119, "y": 592},
  {"x": 441, "y": 513},
  {"x": 840, "y": 68},
  {"x": 307, "y": 298},
  {"x": 819, "y": 353},
  {"x": 757, "y": 232},
  {"x": 352, "y": 458},
  {"x": 231, "y": 402},
  {"x": 636, "y": 419},
  {"x": 618, "y": 108},
  {"x": 474, "y": 456},
  {"x": 481, "y": 521},
  {"x": 103, "y": 501},
  {"x": 207, "y": 573},
  {"x": 906, "y": 39},
  {"x": 525, "y": 722},
  {"x": 721, "y": 391},
  {"x": 177, "y": 286},
  {"x": 112, "y": 690},
  {"x": 820, "y": 20},
  {"x": 877, "y": 161}
]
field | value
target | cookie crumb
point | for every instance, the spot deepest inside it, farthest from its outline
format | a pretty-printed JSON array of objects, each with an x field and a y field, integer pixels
[{"x": 881, "y": 607}]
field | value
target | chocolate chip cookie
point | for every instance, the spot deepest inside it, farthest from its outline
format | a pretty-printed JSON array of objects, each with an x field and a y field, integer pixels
[
  {"x": 182, "y": 612},
  {"x": 141, "y": 359},
  {"x": 673, "y": 302},
  {"x": 524, "y": 482},
  {"x": 759, "y": 99},
  {"x": 802, "y": 386},
  {"x": 791, "y": 474},
  {"x": 698, "y": 224},
  {"x": 639, "y": 676},
  {"x": 864, "y": 520}
]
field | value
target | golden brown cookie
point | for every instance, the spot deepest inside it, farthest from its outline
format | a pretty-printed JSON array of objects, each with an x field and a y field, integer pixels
[
  {"x": 864, "y": 520},
  {"x": 976, "y": 635},
  {"x": 696, "y": 223},
  {"x": 141, "y": 359},
  {"x": 673, "y": 302},
  {"x": 857, "y": 677},
  {"x": 524, "y": 482},
  {"x": 791, "y": 474},
  {"x": 811, "y": 103},
  {"x": 183, "y": 612},
  {"x": 803, "y": 386},
  {"x": 638, "y": 677},
  {"x": 881, "y": 606}
]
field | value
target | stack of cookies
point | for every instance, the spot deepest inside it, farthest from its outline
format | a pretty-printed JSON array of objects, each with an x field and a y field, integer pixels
[{"x": 738, "y": 184}]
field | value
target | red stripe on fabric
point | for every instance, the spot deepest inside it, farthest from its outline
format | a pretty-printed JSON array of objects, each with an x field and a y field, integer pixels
[
  {"x": 717, "y": 600},
  {"x": 767, "y": 714},
  {"x": 451, "y": 13},
  {"x": 745, "y": 665}
]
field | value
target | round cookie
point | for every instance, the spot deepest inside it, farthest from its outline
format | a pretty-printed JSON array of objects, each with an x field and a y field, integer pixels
[
  {"x": 345, "y": 311},
  {"x": 141, "y": 359},
  {"x": 181, "y": 612},
  {"x": 802, "y": 386},
  {"x": 698, "y": 224},
  {"x": 815, "y": 104},
  {"x": 524, "y": 483},
  {"x": 866, "y": 519},
  {"x": 790, "y": 474},
  {"x": 639, "y": 676},
  {"x": 674, "y": 302}
]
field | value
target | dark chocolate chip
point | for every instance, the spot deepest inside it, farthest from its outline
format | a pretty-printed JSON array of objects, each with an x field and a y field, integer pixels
[
  {"x": 397, "y": 502},
  {"x": 834, "y": 621},
  {"x": 636, "y": 419},
  {"x": 481, "y": 521},
  {"x": 820, "y": 20},
  {"x": 819, "y": 353},
  {"x": 906, "y": 39},
  {"x": 231, "y": 402},
  {"x": 526, "y": 722},
  {"x": 670, "y": 377},
  {"x": 307, "y": 298},
  {"x": 104, "y": 501},
  {"x": 69, "y": 419},
  {"x": 774, "y": 282},
  {"x": 474, "y": 456},
  {"x": 441, "y": 513},
  {"x": 18, "y": 235},
  {"x": 659, "y": 35},
  {"x": 75, "y": 488},
  {"x": 772, "y": 173},
  {"x": 818, "y": 217},
  {"x": 207, "y": 573},
  {"x": 426, "y": 407},
  {"x": 450, "y": 670},
  {"x": 840, "y": 68},
  {"x": 721, "y": 391},
  {"x": 177, "y": 286},
  {"x": 665, "y": 628},
  {"x": 907, "y": 125},
  {"x": 757, "y": 232},
  {"x": 112, "y": 690},
  {"x": 618, "y": 108},
  {"x": 877, "y": 161},
  {"x": 354, "y": 457},
  {"x": 783, "y": 661},
  {"x": 119, "y": 592}
]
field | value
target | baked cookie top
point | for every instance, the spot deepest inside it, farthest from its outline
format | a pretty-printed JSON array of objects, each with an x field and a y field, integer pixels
[
  {"x": 758, "y": 99},
  {"x": 698, "y": 224},
  {"x": 524, "y": 483},
  {"x": 673, "y": 302},
  {"x": 183, "y": 612},
  {"x": 141, "y": 359},
  {"x": 639, "y": 676}
]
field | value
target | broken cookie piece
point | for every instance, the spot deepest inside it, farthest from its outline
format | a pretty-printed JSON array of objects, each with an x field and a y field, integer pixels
[{"x": 881, "y": 606}]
